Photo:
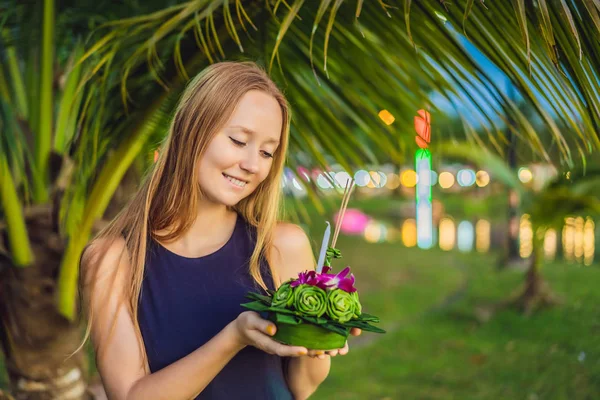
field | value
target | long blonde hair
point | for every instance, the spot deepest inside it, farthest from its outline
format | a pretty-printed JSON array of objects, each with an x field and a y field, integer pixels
[{"x": 168, "y": 196}]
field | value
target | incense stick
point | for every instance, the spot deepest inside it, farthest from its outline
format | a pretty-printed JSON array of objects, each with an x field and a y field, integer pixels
[
  {"x": 339, "y": 215},
  {"x": 345, "y": 199},
  {"x": 342, "y": 211}
]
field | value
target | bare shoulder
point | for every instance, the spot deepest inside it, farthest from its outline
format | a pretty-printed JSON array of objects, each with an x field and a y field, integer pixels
[
  {"x": 103, "y": 266},
  {"x": 292, "y": 250},
  {"x": 99, "y": 249},
  {"x": 119, "y": 354},
  {"x": 101, "y": 257},
  {"x": 290, "y": 237}
]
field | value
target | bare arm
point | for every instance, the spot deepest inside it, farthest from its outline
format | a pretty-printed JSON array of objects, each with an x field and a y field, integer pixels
[
  {"x": 119, "y": 355},
  {"x": 292, "y": 254},
  {"x": 187, "y": 377}
]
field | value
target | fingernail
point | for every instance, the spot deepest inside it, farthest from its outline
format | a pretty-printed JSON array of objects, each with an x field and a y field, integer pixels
[
  {"x": 302, "y": 353},
  {"x": 320, "y": 353},
  {"x": 271, "y": 330}
]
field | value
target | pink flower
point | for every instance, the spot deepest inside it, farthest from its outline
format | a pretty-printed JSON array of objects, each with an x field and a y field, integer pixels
[
  {"x": 305, "y": 278},
  {"x": 339, "y": 280},
  {"x": 325, "y": 281}
]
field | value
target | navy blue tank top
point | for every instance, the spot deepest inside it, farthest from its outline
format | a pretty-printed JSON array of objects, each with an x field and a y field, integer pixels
[{"x": 186, "y": 301}]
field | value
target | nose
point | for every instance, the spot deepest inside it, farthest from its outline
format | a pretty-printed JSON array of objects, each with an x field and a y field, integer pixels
[{"x": 250, "y": 162}]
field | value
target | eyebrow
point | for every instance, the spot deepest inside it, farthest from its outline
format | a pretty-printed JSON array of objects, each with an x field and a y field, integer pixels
[{"x": 251, "y": 132}]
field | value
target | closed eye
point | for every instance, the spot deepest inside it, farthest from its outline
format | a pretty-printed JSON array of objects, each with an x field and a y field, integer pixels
[
  {"x": 237, "y": 142},
  {"x": 265, "y": 154}
]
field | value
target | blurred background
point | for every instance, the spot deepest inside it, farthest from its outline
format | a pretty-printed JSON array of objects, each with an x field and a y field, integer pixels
[{"x": 471, "y": 129}]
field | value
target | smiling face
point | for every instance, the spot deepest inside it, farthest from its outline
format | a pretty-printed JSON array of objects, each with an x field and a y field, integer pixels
[{"x": 240, "y": 156}]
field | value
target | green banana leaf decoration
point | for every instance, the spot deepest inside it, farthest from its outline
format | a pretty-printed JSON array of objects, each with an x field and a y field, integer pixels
[{"x": 316, "y": 310}]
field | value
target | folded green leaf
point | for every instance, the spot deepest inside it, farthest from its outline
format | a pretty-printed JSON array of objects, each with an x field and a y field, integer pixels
[
  {"x": 256, "y": 306},
  {"x": 368, "y": 318},
  {"x": 341, "y": 305},
  {"x": 284, "y": 315},
  {"x": 336, "y": 328},
  {"x": 365, "y": 326},
  {"x": 371, "y": 328},
  {"x": 315, "y": 320},
  {"x": 356, "y": 323},
  {"x": 283, "y": 311},
  {"x": 287, "y": 319},
  {"x": 259, "y": 297},
  {"x": 310, "y": 300},
  {"x": 284, "y": 296}
]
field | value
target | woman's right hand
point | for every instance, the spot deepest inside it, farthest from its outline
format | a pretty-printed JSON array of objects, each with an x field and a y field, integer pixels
[{"x": 252, "y": 330}]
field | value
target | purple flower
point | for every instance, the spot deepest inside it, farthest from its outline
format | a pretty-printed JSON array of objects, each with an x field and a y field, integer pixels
[
  {"x": 326, "y": 281},
  {"x": 305, "y": 278},
  {"x": 339, "y": 280}
]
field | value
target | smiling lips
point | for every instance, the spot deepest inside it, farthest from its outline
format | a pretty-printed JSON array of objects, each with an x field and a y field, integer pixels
[{"x": 237, "y": 182}]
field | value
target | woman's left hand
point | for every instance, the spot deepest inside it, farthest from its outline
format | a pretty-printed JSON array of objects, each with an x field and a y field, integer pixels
[{"x": 320, "y": 354}]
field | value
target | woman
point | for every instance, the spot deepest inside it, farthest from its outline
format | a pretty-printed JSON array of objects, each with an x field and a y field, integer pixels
[{"x": 163, "y": 282}]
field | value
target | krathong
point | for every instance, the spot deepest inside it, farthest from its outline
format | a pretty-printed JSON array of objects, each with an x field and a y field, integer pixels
[{"x": 317, "y": 309}]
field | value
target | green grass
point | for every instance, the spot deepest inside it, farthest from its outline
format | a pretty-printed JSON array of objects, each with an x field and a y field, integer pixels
[
  {"x": 446, "y": 353},
  {"x": 436, "y": 348}
]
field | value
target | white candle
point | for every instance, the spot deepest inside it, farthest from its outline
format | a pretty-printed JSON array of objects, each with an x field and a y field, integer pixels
[{"x": 324, "y": 246}]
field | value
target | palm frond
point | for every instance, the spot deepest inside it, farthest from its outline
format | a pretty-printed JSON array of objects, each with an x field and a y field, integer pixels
[
  {"x": 19, "y": 245},
  {"x": 46, "y": 105},
  {"x": 337, "y": 72},
  {"x": 102, "y": 191},
  {"x": 16, "y": 76},
  {"x": 495, "y": 165},
  {"x": 68, "y": 109}
]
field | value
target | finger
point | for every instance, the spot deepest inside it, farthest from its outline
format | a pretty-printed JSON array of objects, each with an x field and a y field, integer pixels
[
  {"x": 320, "y": 354},
  {"x": 261, "y": 341},
  {"x": 315, "y": 353},
  {"x": 268, "y": 345},
  {"x": 343, "y": 351},
  {"x": 283, "y": 350},
  {"x": 355, "y": 331},
  {"x": 260, "y": 324},
  {"x": 333, "y": 353}
]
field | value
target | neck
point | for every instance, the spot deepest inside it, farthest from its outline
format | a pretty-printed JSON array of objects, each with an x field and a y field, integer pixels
[
  {"x": 211, "y": 228},
  {"x": 212, "y": 215}
]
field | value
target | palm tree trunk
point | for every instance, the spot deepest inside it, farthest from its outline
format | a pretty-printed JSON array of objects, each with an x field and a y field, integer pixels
[
  {"x": 512, "y": 239},
  {"x": 533, "y": 279},
  {"x": 537, "y": 292},
  {"x": 35, "y": 338}
]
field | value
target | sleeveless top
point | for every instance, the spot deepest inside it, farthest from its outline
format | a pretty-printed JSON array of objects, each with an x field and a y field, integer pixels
[{"x": 185, "y": 302}]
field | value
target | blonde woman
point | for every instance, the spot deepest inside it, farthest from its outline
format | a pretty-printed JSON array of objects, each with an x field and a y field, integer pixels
[{"x": 163, "y": 283}]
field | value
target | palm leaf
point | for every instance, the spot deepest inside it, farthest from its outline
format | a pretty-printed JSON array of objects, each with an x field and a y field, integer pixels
[
  {"x": 68, "y": 108},
  {"x": 15, "y": 75},
  {"x": 102, "y": 191},
  {"x": 495, "y": 165},
  {"x": 46, "y": 106},
  {"x": 396, "y": 66},
  {"x": 19, "y": 246},
  {"x": 551, "y": 207}
]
